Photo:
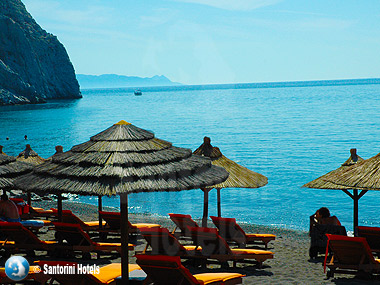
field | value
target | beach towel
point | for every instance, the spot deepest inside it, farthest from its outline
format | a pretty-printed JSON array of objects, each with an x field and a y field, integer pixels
[{"x": 33, "y": 223}]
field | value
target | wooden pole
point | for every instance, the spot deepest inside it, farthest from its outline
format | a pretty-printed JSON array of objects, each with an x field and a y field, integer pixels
[
  {"x": 100, "y": 207},
  {"x": 219, "y": 203},
  {"x": 205, "y": 206},
  {"x": 124, "y": 238},
  {"x": 59, "y": 206},
  {"x": 29, "y": 198},
  {"x": 356, "y": 196},
  {"x": 356, "y": 211}
]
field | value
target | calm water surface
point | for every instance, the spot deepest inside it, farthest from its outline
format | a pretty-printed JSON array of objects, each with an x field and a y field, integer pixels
[{"x": 290, "y": 135}]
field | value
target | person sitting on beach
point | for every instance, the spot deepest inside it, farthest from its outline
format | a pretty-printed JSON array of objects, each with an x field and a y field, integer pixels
[
  {"x": 322, "y": 216},
  {"x": 8, "y": 210},
  {"x": 322, "y": 223}
]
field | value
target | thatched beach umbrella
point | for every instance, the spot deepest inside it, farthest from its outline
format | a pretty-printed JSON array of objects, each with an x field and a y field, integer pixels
[
  {"x": 121, "y": 160},
  {"x": 364, "y": 176},
  {"x": 332, "y": 179},
  {"x": 10, "y": 169},
  {"x": 28, "y": 155},
  {"x": 239, "y": 176}
]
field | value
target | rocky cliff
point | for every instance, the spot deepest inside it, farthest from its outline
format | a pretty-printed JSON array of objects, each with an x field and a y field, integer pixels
[{"x": 34, "y": 65}]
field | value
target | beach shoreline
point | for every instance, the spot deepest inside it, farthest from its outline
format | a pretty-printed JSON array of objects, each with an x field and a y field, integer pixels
[{"x": 290, "y": 265}]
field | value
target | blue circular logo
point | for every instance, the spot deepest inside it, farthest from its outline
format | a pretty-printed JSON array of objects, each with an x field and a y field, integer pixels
[{"x": 16, "y": 268}]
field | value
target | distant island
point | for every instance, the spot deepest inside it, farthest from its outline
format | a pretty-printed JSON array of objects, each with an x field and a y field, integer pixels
[
  {"x": 162, "y": 83},
  {"x": 119, "y": 81}
]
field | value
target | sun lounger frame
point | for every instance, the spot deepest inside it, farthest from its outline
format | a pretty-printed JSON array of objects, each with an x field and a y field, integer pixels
[
  {"x": 21, "y": 238},
  {"x": 372, "y": 235},
  {"x": 162, "y": 242},
  {"x": 160, "y": 268},
  {"x": 182, "y": 222},
  {"x": 232, "y": 232},
  {"x": 351, "y": 255},
  {"x": 86, "y": 244},
  {"x": 215, "y": 247}
]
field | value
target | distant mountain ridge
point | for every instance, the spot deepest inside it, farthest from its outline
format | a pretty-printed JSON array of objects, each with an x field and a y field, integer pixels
[{"x": 117, "y": 81}]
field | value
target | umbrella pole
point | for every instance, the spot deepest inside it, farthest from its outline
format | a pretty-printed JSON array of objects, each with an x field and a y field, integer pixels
[
  {"x": 100, "y": 207},
  {"x": 356, "y": 211},
  {"x": 124, "y": 238},
  {"x": 219, "y": 204},
  {"x": 205, "y": 206},
  {"x": 59, "y": 206},
  {"x": 29, "y": 198},
  {"x": 355, "y": 196}
]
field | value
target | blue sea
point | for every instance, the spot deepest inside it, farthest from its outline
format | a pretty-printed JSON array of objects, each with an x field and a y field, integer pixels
[{"x": 290, "y": 134}]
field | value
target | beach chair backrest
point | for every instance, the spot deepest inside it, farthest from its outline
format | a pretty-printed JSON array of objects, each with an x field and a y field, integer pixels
[
  {"x": 162, "y": 242},
  {"x": 68, "y": 217},
  {"x": 350, "y": 250},
  {"x": 18, "y": 233},
  {"x": 165, "y": 270},
  {"x": 209, "y": 240},
  {"x": 73, "y": 234},
  {"x": 112, "y": 219},
  {"x": 229, "y": 229},
  {"x": 22, "y": 207},
  {"x": 372, "y": 235},
  {"x": 318, "y": 233},
  {"x": 183, "y": 221}
]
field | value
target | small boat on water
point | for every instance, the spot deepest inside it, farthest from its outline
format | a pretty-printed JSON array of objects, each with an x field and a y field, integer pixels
[{"x": 138, "y": 92}]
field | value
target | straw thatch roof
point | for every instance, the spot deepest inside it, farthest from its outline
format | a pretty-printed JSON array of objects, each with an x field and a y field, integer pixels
[
  {"x": 365, "y": 175},
  {"x": 58, "y": 149},
  {"x": 239, "y": 176},
  {"x": 10, "y": 169},
  {"x": 28, "y": 155},
  {"x": 329, "y": 180},
  {"x": 122, "y": 159}
]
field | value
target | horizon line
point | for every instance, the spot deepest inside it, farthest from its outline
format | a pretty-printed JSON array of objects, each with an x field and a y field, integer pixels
[{"x": 274, "y": 84}]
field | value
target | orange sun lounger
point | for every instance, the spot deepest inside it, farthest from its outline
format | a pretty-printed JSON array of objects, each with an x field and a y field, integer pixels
[
  {"x": 232, "y": 232},
  {"x": 168, "y": 270},
  {"x": 70, "y": 218},
  {"x": 183, "y": 222},
  {"x": 372, "y": 235},
  {"x": 350, "y": 255},
  {"x": 81, "y": 241},
  {"x": 113, "y": 222},
  {"x": 215, "y": 247},
  {"x": 20, "y": 238},
  {"x": 40, "y": 212},
  {"x": 106, "y": 275},
  {"x": 163, "y": 242}
]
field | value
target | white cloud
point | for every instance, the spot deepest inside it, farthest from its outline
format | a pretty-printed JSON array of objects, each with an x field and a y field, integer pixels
[{"x": 242, "y": 5}]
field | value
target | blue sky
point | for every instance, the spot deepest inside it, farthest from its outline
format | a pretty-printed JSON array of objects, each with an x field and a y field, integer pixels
[{"x": 217, "y": 41}]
